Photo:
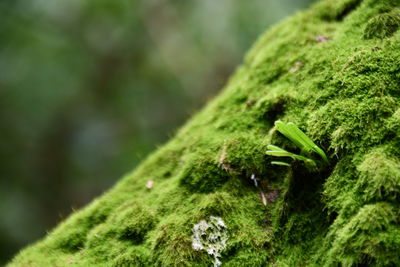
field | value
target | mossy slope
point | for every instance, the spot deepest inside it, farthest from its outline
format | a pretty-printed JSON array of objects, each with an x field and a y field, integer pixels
[{"x": 334, "y": 71}]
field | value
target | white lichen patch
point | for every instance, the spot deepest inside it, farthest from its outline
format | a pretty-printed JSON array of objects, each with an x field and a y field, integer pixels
[{"x": 210, "y": 236}]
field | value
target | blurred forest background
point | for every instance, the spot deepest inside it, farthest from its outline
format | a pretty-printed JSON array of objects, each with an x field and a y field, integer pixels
[{"x": 89, "y": 87}]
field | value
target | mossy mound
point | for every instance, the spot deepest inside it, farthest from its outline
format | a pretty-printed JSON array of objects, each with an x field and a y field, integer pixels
[{"x": 334, "y": 71}]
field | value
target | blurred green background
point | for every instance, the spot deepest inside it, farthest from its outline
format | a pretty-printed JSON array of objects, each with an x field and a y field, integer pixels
[{"x": 89, "y": 87}]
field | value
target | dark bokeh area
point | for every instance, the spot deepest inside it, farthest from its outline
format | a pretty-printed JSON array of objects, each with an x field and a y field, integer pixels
[{"x": 89, "y": 87}]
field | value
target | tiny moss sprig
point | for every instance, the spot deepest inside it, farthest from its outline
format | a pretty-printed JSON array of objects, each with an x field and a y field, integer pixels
[{"x": 301, "y": 140}]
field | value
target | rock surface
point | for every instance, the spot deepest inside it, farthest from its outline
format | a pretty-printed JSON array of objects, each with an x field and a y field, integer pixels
[{"x": 334, "y": 71}]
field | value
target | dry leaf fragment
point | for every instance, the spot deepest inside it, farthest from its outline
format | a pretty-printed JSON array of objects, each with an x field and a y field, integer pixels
[
  {"x": 263, "y": 198},
  {"x": 297, "y": 65},
  {"x": 321, "y": 38},
  {"x": 272, "y": 196},
  {"x": 149, "y": 184},
  {"x": 222, "y": 160}
]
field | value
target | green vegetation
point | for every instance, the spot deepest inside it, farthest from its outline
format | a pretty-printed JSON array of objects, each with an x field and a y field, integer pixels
[
  {"x": 88, "y": 88},
  {"x": 383, "y": 25},
  {"x": 301, "y": 140},
  {"x": 279, "y": 152},
  {"x": 342, "y": 90}
]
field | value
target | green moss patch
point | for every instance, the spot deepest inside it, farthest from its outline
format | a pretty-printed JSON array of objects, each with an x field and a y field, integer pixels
[{"x": 333, "y": 71}]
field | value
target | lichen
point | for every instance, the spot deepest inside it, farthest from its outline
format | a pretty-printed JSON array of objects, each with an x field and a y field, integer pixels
[
  {"x": 344, "y": 95},
  {"x": 210, "y": 236}
]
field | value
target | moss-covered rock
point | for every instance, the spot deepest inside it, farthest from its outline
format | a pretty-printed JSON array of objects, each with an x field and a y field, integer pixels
[{"x": 334, "y": 71}]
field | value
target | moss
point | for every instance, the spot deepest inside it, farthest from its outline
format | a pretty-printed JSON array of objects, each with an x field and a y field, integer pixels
[
  {"x": 172, "y": 245},
  {"x": 370, "y": 237},
  {"x": 133, "y": 222},
  {"x": 379, "y": 177},
  {"x": 202, "y": 174},
  {"x": 135, "y": 256},
  {"x": 352, "y": 124},
  {"x": 394, "y": 123},
  {"x": 243, "y": 155},
  {"x": 74, "y": 231},
  {"x": 217, "y": 204},
  {"x": 342, "y": 91},
  {"x": 342, "y": 179},
  {"x": 336, "y": 9},
  {"x": 383, "y": 25}
]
